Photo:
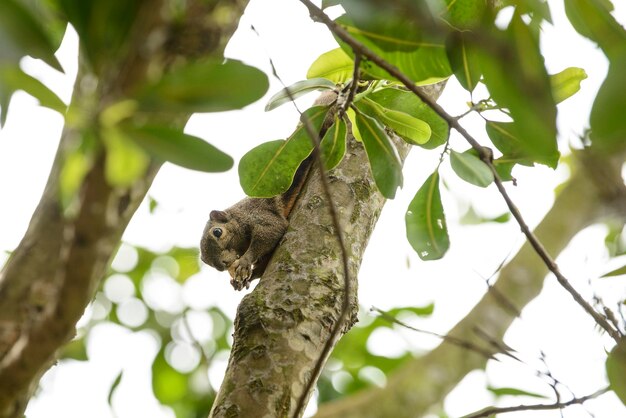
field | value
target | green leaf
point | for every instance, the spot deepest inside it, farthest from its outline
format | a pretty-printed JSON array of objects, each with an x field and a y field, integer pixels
[
  {"x": 115, "y": 113},
  {"x": 125, "y": 160},
  {"x": 424, "y": 65},
  {"x": 187, "y": 260},
  {"x": 334, "y": 65},
  {"x": 353, "y": 129},
  {"x": 608, "y": 124},
  {"x": 406, "y": 102},
  {"x": 425, "y": 310},
  {"x": 425, "y": 220},
  {"x": 152, "y": 204},
  {"x": 505, "y": 138},
  {"x": 616, "y": 369},
  {"x": 470, "y": 168},
  {"x": 23, "y": 34},
  {"x": 268, "y": 169},
  {"x": 386, "y": 27},
  {"x": 413, "y": 130},
  {"x": 114, "y": 386},
  {"x": 613, "y": 241},
  {"x": 616, "y": 272},
  {"x": 75, "y": 350},
  {"x": 498, "y": 392},
  {"x": 333, "y": 146},
  {"x": 177, "y": 147},
  {"x": 48, "y": 12},
  {"x": 566, "y": 83},
  {"x": 169, "y": 385},
  {"x": 382, "y": 155},
  {"x": 208, "y": 85},
  {"x": 103, "y": 27},
  {"x": 537, "y": 8},
  {"x": 329, "y": 3},
  {"x": 75, "y": 167},
  {"x": 592, "y": 19},
  {"x": 465, "y": 14},
  {"x": 470, "y": 217},
  {"x": 504, "y": 168},
  {"x": 12, "y": 78},
  {"x": 298, "y": 89},
  {"x": 5, "y": 99},
  {"x": 464, "y": 60},
  {"x": 523, "y": 88}
]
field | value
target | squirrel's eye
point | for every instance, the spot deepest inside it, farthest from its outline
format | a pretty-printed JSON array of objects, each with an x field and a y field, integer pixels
[{"x": 217, "y": 232}]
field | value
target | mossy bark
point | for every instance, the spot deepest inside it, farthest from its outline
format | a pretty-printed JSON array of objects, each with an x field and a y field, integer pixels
[{"x": 282, "y": 326}]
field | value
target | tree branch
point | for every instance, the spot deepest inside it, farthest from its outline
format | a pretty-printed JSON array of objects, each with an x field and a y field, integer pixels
[
  {"x": 285, "y": 326},
  {"x": 52, "y": 275},
  {"x": 484, "y": 154},
  {"x": 435, "y": 374},
  {"x": 492, "y": 411}
]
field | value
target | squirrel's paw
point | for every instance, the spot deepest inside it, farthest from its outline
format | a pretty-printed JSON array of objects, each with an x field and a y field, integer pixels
[{"x": 242, "y": 274}]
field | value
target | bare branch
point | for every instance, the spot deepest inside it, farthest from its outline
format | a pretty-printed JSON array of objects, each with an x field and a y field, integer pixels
[
  {"x": 468, "y": 345},
  {"x": 522, "y": 280},
  {"x": 492, "y": 411},
  {"x": 354, "y": 84}
]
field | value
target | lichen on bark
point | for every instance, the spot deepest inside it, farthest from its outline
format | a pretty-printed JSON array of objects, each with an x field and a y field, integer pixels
[{"x": 292, "y": 310}]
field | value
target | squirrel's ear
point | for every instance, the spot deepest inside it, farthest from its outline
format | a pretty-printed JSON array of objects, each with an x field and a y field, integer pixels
[{"x": 219, "y": 216}]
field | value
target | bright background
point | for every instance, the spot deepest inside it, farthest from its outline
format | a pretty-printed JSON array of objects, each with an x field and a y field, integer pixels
[{"x": 391, "y": 274}]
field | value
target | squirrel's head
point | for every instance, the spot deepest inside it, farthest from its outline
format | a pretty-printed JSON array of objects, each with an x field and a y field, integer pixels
[{"x": 216, "y": 247}]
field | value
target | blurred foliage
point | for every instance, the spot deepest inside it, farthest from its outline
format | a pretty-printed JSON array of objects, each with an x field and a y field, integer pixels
[
  {"x": 499, "y": 392},
  {"x": 351, "y": 357},
  {"x": 137, "y": 122},
  {"x": 616, "y": 369},
  {"x": 177, "y": 380}
]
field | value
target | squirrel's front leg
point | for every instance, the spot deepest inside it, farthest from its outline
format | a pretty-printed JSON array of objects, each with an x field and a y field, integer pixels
[{"x": 264, "y": 240}]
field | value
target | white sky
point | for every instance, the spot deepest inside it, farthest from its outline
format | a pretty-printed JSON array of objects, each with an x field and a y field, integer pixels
[{"x": 552, "y": 323}]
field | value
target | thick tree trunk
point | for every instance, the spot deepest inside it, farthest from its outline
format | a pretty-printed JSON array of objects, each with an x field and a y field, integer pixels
[
  {"x": 51, "y": 276},
  {"x": 595, "y": 191},
  {"x": 282, "y": 326}
]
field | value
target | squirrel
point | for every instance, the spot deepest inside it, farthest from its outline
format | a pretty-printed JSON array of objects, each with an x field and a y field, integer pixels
[{"x": 242, "y": 238}]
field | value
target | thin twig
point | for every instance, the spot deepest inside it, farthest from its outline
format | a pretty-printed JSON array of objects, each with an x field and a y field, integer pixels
[
  {"x": 354, "y": 84},
  {"x": 448, "y": 338},
  {"x": 487, "y": 412},
  {"x": 498, "y": 345},
  {"x": 345, "y": 303},
  {"x": 194, "y": 341},
  {"x": 483, "y": 152}
]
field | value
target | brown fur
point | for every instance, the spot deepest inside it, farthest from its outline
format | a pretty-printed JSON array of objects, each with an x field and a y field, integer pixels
[{"x": 252, "y": 228}]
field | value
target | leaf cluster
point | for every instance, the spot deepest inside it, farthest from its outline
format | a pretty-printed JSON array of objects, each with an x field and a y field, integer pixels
[
  {"x": 139, "y": 121},
  {"x": 427, "y": 44}
]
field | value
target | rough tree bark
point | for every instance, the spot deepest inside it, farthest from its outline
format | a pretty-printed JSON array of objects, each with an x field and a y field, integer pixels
[
  {"x": 595, "y": 190},
  {"x": 52, "y": 274},
  {"x": 281, "y": 327}
]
